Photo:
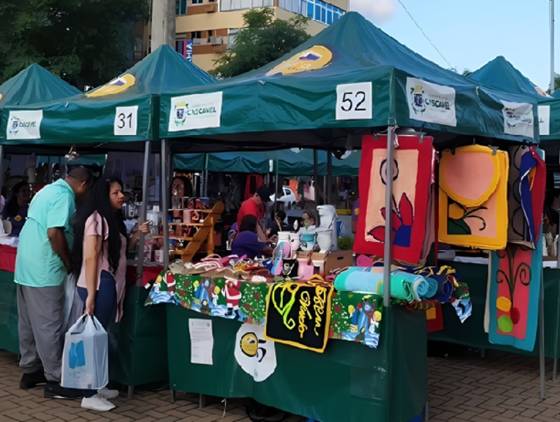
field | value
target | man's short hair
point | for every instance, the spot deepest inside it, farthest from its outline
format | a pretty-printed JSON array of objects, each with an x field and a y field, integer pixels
[
  {"x": 81, "y": 174},
  {"x": 264, "y": 193}
]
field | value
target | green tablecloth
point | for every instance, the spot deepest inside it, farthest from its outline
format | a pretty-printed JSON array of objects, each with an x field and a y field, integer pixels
[
  {"x": 8, "y": 313},
  {"x": 471, "y": 333},
  {"x": 349, "y": 382}
]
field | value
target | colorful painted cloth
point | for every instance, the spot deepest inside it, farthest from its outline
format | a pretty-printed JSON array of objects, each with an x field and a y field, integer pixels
[
  {"x": 473, "y": 209},
  {"x": 299, "y": 315},
  {"x": 354, "y": 316},
  {"x": 526, "y": 191},
  {"x": 514, "y": 296},
  {"x": 412, "y": 175}
]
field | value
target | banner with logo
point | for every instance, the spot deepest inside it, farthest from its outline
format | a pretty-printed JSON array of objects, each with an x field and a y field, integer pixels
[
  {"x": 544, "y": 120},
  {"x": 299, "y": 315},
  {"x": 430, "y": 102},
  {"x": 518, "y": 119},
  {"x": 24, "y": 124},
  {"x": 196, "y": 111}
]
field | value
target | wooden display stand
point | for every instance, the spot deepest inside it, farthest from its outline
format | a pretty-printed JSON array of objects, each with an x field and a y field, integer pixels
[{"x": 199, "y": 234}]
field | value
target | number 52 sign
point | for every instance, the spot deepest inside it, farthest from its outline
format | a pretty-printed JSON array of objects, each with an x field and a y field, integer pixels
[
  {"x": 126, "y": 121},
  {"x": 354, "y": 101}
]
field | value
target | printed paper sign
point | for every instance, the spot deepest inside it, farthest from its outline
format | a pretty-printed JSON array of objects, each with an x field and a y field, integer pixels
[
  {"x": 24, "y": 124},
  {"x": 544, "y": 120},
  {"x": 255, "y": 354},
  {"x": 197, "y": 111},
  {"x": 518, "y": 119},
  {"x": 202, "y": 341},
  {"x": 126, "y": 121},
  {"x": 429, "y": 102},
  {"x": 354, "y": 101}
]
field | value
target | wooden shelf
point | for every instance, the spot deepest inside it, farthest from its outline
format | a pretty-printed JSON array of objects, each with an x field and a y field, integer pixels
[
  {"x": 189, "y": 209},
  {"x": 187, "y": 224},
  {"x": 174, "y": 238}
]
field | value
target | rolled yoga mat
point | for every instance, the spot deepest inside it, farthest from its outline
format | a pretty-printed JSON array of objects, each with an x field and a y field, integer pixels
[{"x": 404, "y": 286}]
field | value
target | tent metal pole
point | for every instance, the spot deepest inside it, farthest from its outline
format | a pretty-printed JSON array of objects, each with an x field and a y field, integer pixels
[
  {"x": 143, "y": 212},
  {"x": 557, "y": 321},
  {"x": 1, "y": 168},
  {"x": 165, "y": 202},
  {"x": 552, "y": 73},
  {"x": 387, "y": 256},
  {"x": 542, "y": 368},
  {"x": 315, "y": 167},
  {"x": 205, "y": 175},
  {"x": 329, "y": 177},
  {"x": 277, "y": 183}
]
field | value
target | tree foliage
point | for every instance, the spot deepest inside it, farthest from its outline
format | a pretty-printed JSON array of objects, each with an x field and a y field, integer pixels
[
  {"x": 262, "y": 40},
  {"x": 83, "y": 41}
]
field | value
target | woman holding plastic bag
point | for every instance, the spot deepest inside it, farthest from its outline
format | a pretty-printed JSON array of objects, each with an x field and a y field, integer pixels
[{"x": 99, "y": 256}]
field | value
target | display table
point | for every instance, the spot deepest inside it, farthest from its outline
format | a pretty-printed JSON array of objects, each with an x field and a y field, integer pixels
[
  {"x": 133, "y": 342},
  {"x": 474, "y": 271},
  {"x": 349, "y": 382}
]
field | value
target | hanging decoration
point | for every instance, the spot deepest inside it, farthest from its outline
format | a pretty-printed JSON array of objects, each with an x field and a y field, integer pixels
[
  {"x": 473, "y": 208},
  {"x": 412, "y": 175}
]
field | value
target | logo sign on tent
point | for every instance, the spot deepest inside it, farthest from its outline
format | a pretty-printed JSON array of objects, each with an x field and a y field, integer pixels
[
  {"x": 544, "y": 120},
  {"x": 429, "y": 102},
  {"x": 518, "y": 118},
  {"x": 197, "y": 111},
  {"x": 314, "y": 58},
  {"x": 24, "y": 124}
]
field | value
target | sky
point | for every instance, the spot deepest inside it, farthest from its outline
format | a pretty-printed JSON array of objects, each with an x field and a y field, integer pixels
[{"x": 469, "y": 33}]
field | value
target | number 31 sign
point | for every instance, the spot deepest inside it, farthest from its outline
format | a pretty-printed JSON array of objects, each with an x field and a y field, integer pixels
[
  {"x": 354, "y": 101},
  {"x": 126, "y": 121}
]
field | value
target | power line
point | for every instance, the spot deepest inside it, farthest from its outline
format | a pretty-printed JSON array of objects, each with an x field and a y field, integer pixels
[{"x": 424, "y": 34}]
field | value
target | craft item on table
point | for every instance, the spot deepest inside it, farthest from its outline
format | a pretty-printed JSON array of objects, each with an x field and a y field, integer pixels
[
  {"x": 473, "y": 210},
  {"x": 254, "y": 353},
  {"x": 404, "y": 286},
  {"x": 356, "y": 317},
  {"x": 282, "y": 250},
  {"x": 412, "y": 170},
  {"x": 307, "y": 240},
  {"x": 163, "y": 290},
  {"x": 290, "y": 268},
  {"x": 327, "y": 237},
  {"x": 305, "y": 268},
  {"x": 526, "y": 191},
  {"x": 434, "y": 317},
  {"x": 514, "y": 296},
  {"x": 299, "y": 314}
]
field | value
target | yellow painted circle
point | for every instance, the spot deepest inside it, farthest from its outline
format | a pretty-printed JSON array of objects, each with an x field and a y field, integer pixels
[
  {"x": 503, "y": 304},
  {"x": 456, "y": 212},
  {"x": 249, "y": 344},
  {"x": 377, "y": 316},
  {"x": 116, "y": 86},
  {"x": 313, "y": 58}
]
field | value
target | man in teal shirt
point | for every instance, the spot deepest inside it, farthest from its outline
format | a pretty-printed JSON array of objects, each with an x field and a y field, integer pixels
[{"x": 42, "y": 264}]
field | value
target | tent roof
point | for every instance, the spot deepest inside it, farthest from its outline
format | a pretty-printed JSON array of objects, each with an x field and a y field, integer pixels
[
  {"x": 34, "y": 84},
  {"x": 282, "y": 96},
  {"x": 91, "y": 118},
  {"x": 502, "y": 75}
]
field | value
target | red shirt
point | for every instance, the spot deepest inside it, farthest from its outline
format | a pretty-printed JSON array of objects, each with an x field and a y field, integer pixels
[{"x": 249, "y": 207}]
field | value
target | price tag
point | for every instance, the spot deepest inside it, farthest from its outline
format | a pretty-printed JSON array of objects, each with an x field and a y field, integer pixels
[
  {"x": 354, "y": 101},
  {"x": 126, "y": 121}
]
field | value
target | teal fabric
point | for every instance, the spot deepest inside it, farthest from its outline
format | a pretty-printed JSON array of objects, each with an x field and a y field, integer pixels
[
  {"x": 80, "y": 119},
  {"x": 502, "y": 75},
  {"x": 257, "y": 102},
  {"x": 37, "y": 265},
  {"x": 34, "y": 84}
]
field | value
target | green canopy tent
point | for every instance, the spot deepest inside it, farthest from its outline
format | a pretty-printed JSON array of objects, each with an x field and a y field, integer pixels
[
  {"x": 320, "y": 91},
  {"x": 500, "y": 74},
  {"x": 290, "y": 163}
]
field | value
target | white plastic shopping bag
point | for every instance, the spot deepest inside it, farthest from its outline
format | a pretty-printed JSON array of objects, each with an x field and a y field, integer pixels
[{"x": 85, "y": 361}]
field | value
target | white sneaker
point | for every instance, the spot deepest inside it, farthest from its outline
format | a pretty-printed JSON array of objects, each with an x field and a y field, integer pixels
[
  {"x": 108, "y": 394},
  {"x": 97, "y": 403}
]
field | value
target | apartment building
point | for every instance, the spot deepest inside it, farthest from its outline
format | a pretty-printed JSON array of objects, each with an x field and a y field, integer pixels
[{"x": 205, "y": 28}]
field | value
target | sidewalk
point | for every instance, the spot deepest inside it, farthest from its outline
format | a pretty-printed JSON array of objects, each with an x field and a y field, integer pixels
[{"x": 501, "y": 388}]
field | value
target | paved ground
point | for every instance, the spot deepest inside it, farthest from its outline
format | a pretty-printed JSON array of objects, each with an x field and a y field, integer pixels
[{"x": 462, "y": 387}]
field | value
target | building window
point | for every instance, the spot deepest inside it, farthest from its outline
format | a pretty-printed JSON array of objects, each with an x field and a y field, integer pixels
[
  {"x": 181, "y": 7},
  {"x": 226, "y": 5},
  {"x": 196, "y": 1}
]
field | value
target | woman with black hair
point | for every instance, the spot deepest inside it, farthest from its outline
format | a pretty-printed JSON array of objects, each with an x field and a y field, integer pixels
[
  {"x": 99, "y": 261},
  {"x": 15, "y": 210},
  {"x": 246, "y": 243}
]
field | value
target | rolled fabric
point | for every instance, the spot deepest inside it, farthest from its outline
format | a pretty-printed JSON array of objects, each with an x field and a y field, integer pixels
[
  {"x": 417, "y": 283},
  {"x": 445, "y": 289},
  {"x": 432, "y": 287}
]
